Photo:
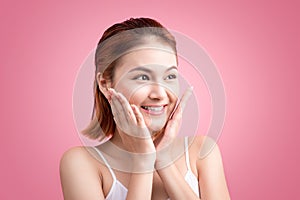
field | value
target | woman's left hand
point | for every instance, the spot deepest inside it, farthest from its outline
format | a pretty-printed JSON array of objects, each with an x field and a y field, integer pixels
[{"x": 162, "y": 143}]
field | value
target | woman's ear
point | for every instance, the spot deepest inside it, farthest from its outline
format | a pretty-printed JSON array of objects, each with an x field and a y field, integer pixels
[{"x": 103, "y": 84}]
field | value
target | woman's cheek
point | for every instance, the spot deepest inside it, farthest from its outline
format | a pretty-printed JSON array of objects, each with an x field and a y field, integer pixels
[{"x": 128, "y": 91}]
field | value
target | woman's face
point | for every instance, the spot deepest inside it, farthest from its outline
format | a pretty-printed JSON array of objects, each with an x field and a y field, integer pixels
[{"x": 148, "y": 78}]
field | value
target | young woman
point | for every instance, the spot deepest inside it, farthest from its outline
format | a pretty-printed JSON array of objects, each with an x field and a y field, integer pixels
[{"x": 138, "y": 112}]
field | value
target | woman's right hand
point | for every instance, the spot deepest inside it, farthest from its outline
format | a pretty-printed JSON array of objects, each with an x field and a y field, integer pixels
[{"x": 131, "y": 125}]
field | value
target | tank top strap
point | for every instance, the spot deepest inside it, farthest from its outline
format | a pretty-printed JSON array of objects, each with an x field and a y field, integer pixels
[
  {"x": 106, "y": 164},
  {"x": 187, "y": 157}
]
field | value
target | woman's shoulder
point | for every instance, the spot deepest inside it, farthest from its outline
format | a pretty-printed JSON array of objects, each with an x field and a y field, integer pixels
[
  {"x": 78, "y": 166},
  {"x": 77, "y": 158},
  {"x": 75, "y": 153}
]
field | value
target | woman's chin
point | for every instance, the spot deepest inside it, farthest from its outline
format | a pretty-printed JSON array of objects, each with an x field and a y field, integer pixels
[
  {"x": 153, "y": 131},
  {"x": 156, "y": 125}
]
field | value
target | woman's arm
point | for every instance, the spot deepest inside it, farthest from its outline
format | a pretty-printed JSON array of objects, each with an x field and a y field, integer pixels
[
  {"x": 140, "y": 186},
  {"x": 212, "y": 180},
  {"x": 135, "y": 138},
  {"x": 211, "y": 173},
  {"x": 174, "y": 182},
  {"x": 175, "y": 185},
  {"x": 79, "y": 176}
]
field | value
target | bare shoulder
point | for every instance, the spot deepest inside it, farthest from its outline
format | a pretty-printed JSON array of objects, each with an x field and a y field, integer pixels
[
  {"x": 76, "y": 157},
  {"x": 202, "y": 142},
  {"x": 79, "y": 174},
  {"x": 202, "y": 147}
]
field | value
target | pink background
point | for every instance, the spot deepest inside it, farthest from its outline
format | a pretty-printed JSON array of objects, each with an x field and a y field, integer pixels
[{"x": 255, "y": 45}]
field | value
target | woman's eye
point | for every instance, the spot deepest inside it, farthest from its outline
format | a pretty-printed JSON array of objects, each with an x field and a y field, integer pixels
[
  {"x": 142, "y": 77},
  {"x": 171, "y": 76}
]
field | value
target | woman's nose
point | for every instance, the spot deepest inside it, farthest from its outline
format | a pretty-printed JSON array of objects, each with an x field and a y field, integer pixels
[{"x": 157, "y": 92}]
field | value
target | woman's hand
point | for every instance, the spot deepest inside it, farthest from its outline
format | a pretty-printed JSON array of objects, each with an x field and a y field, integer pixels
[
  {"x": 135, "y": 134},
  {"x": 130, "y": 122},
  {"x": 162, "y": 143}
]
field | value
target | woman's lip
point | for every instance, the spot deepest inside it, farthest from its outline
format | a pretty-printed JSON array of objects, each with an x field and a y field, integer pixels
[
  {"x": 155, "y": 105},
  {"x": 154, "y": 112}
]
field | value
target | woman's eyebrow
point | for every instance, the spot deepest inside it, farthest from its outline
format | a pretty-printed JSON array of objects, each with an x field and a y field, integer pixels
[
  {"x": 173, "y": 67},
  {"x": 149, "y": 70},
  {"x": 141, "y": 69}
]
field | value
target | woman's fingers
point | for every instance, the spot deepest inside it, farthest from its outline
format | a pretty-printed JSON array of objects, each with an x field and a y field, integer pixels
[
  {"x": 174, "y": 123},
  {"x": 128, "y": 112},
  {"x": 123, "y": 108},
  {"x": 142, "y": 130},
  {"x": 116, "y": 110},
  {"x": 138, "y": 115},
  {"x": 185, "y": 97}
]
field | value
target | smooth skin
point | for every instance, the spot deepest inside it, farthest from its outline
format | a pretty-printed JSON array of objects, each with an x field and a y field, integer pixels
[{"x": 84, "y": 177}]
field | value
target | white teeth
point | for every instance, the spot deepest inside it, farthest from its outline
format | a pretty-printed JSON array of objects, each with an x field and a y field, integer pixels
[{"x": 154, "y": 109}]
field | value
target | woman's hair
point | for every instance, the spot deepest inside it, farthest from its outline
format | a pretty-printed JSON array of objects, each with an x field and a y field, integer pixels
[{"x": 115, "y": 42}]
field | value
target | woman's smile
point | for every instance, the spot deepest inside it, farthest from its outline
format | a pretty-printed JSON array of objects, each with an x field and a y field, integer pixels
[{"x": 154, "y": 109}]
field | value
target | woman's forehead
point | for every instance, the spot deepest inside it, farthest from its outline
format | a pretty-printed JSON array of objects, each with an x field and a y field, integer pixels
[{"x": 148, "y": 58}]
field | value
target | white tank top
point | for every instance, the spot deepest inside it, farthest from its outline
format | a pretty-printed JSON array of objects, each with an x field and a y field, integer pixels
[{"x": 119, "y": 191}]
